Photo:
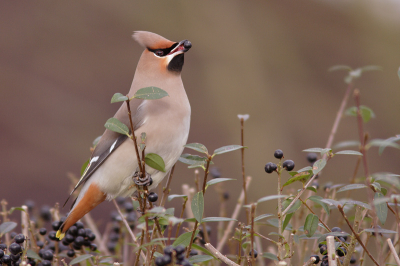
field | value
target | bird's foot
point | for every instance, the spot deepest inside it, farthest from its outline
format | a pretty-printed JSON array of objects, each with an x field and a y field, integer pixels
[{"x": 142, "y": 181}]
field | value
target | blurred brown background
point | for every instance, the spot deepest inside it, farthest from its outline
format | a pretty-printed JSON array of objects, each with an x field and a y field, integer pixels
[{"x": 60, "y": 63}]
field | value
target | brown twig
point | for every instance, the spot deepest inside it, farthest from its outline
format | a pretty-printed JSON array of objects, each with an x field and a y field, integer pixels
[
  {"x": 356, "y": 235},
  {"x": 352, "y": 245},
  {"x": 166, "y": 189},
  {"x": 133, "y": 137},
  {"x": 393, "y": 250},
  {"x": 234, "y": 216},
  {"x": 253, "y": 210},
  {"x": 217, "y": 254},
  {"x": 127, "y": 226},
  {"x": 243, "y": 169}
]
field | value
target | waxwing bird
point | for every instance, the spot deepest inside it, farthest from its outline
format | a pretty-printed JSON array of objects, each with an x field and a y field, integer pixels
[{"x": 165, "y": 121}]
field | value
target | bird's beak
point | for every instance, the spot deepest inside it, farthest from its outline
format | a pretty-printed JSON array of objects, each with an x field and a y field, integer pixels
[{"x": 182, "y": 47}]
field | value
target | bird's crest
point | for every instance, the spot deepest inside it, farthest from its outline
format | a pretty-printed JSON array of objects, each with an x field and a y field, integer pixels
[{"x": 151, "y": 40}]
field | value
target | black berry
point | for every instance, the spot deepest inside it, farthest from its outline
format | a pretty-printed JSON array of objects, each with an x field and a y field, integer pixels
[
  {"x": 120, "y": 200},
  {"x": 341, "y": 251},
  {"x": 3, "y": 246},
  {"x": 168, "y": 250},
  {"x": 71, "y": 253},
  {"x": 14, "y": 248},
  {"x": 79, "y": 225},
  {"x": 81, "y": 232},
  {"x": 73, "y": 230},
  {"x": 45, "y": 213},
  {"x": 13, "y": 234},
  {"x": 323, "y": 250},
  {"x": 353, "y": 260},
  {"x": 288, "y": 165},
  {"x": 91, "y": 236},
  {"x": 166, "y": 259},
  {"x": 15, "y": 257},
  {"x": 336, "y": 229},
  {"x": 255, "y": 251},
  {"x": 153, "y": 197},
  {"x": 52, "y": 235},
  {"x": 43, "y": 231},
  {"x": 215, "y": 173},
  {"x": 128, "y": 206},
  {"x": 69, "y": 238},
  {"x": 317, "y": 259},
  {"x": 185, "y": 262},
  {"x": 6, "y": 259},
  {"x": 1, "y": 253},
  {"x": 193, "y": 252},
  {"x": 56, "y": 225},
  {"x": 48, "y": 255},
  {"x": 312, "y": 157},
  {"x": 79, "y": 240},
  {"x": 278, "y": 154},
  {"x": 19, "y": 239},
  {"x": 179, "y": 249},
  {"x": 93, "y": 247},
  {"x": 46, "y": 263},
  {"x": 225, "y": 195},
  {"x": 30, "y": 204},
  {"x": 270, "y": 167}
]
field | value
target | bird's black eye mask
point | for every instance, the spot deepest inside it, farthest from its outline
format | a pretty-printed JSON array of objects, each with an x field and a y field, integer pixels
[{"x": 163, "y": 52}]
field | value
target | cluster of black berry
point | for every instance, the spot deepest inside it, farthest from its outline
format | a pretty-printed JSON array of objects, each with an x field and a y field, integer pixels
[
  {"x": 15, "y": 249},
  {"x": 341, "y": 250},
  {"x": 173, "y": 256},
  {"x": 271, "y": 167}
]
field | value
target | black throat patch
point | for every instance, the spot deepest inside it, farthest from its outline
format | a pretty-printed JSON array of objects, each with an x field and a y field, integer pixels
[{"x": 176, "y": 63}]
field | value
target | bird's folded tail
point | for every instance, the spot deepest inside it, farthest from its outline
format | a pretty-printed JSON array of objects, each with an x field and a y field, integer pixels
[{"x": 93, "y": 196}]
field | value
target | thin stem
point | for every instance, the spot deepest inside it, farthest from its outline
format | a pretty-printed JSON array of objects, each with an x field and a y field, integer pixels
[
  {"x": 253, "y": 210},
  {"x": 133, "y": 137},
  {"x": 4, "y": 214},
  {"x": 352, "y": 245},
  {"x": 127, "y": 226},
  {"x": 356, "y": 235},
  {"x": 339, "y": 115},
  {"x": 393, "y": 250},
  {"x": 243, "y": 169},
  {"x": 166, "y": 189},
  {"x": 181, "y": 216},
  {"x": 217, "y": 254},
  {"x": 280, "y": 216},
  {"x": 234, "y": 216}
]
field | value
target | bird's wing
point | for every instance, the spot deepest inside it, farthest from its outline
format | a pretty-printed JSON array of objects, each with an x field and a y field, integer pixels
[{"x": 111, "y": 140}]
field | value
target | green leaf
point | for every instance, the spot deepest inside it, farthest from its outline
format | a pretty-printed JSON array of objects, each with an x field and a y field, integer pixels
[
  {"x": 200, "y": 248},
  {"x": 115, "y": 125},
  {"x": 191, "y": 159},
  {"x": 349, "y": 152},
  {"x": 318, "y": 166},
  {"x": 7, "y": 227},
  {"x": 270, "y": 256},
  {"x": 304, "y": 169},
  {"x": 371, "y": 68},
  {"x": 217, "y": 219},
  {"x": 155, "y": 161},
  {"x": 197, "y": 147},
  {"x": 340, "y": 67},
  {"x": 320, "y": 150},
  {"x": 379, "y": 230},
  {"x": 380, "y": 208},
  {"x": 80, "y": 258},
  {"x": 275, "y": 222},
  {"x": 32, "y": 254},
  {"x": 267, "y": 198},
  {"x": 287, "y": 220},
  {"x": 366, "y": 113},
  {"x": 377, "y": 186},
  {"x": 292, "y": 209},
  {"x": 84, "y": 166},
  {"x": 119, "y": 97},
  {"x": 227, "y": 149},
  {"x": 200, "y": 258},
  {"x": 317, "y": 199},
  {"x": 218, "y": 180},
  {"x": 96, "y": 141},
  {"x": 351, "y": 187},
  {"x": 383, "y": 143},
  {"x": 346, "y": 144},
  {"x": 359, "y": 203},
  {"x": 263, "y": 216},
  {"x": 331, "y": 202},
  {"x": 184, "y": 239},
  {"x": 197, "y": 165},
  {"x": 301, "y": 176},
  {"x": 311, "y": 224},
  {"x": 150, "y": 93},
  {"x": 313, "y": 189},
  {"x": 173, "y": 196},
  {"x": 16, "y": 209},
  {"x": 198, "y": 206}
]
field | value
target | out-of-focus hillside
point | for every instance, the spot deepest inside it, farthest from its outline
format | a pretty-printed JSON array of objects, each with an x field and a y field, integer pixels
[{"x": 60, "y": 63}]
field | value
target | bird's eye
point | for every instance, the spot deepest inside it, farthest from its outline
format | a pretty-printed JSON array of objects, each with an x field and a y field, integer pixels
[{"x": 159, "y": 53}]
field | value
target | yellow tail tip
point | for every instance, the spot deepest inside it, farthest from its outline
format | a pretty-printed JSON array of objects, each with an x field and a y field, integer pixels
[{"x": 60, "y": 235}]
